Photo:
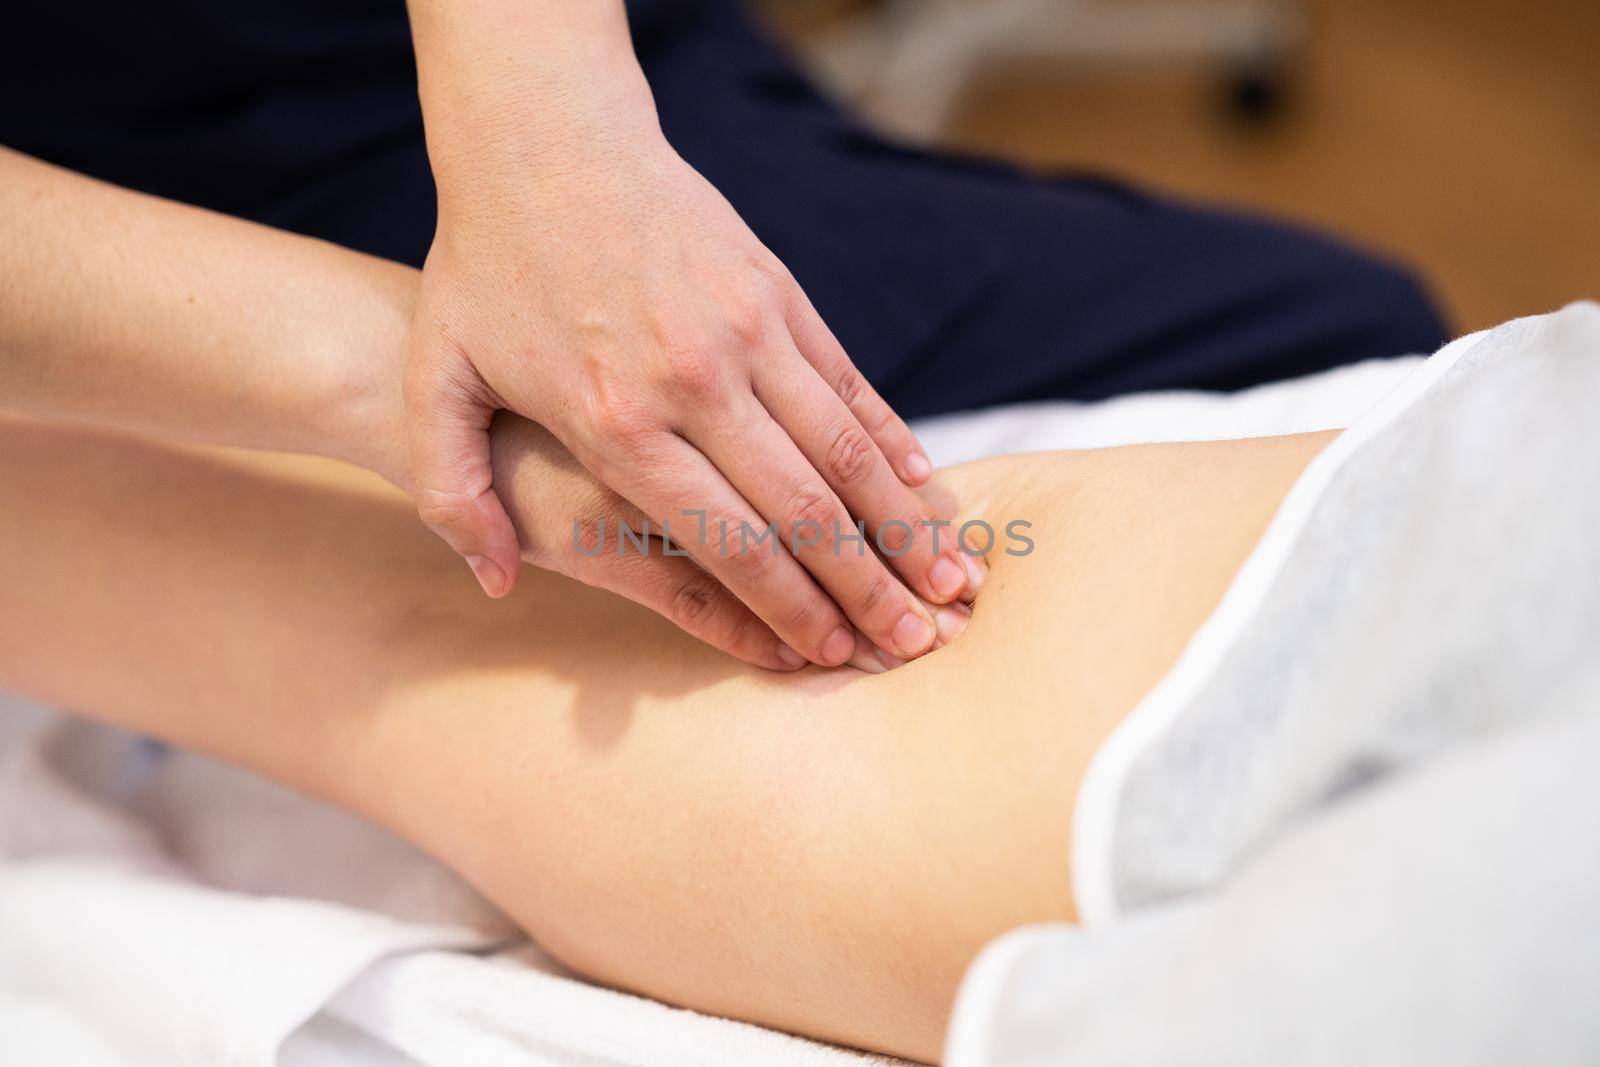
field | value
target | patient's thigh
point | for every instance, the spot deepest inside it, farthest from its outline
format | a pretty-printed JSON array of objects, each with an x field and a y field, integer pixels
[
  {"x": 826, "y": 852},
  {"x": 822, "y": 852}
]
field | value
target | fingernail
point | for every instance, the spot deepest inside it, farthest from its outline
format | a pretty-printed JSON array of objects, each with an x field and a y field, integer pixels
[
  {"x": 791, "y": 659},
  {"x": 866, "y": 661},
  {"x": 839, "y": 647},
  {"x": 951, "y": 622},
  {"x": 489, "y": 575},
  {"x": 889, "y": 661},
  {"x": 947, "y": 577},
  {"x": 862, "y": 658},
  {"x": 912, "y": 634},
  {"x": 977, "y": 571},
  {"x": 918, "y": 469}
]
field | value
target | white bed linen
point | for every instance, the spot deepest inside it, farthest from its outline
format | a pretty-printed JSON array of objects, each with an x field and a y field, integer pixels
[
  {"x": 1358, "y": 822},
  {"x": 180, "y": 912}
]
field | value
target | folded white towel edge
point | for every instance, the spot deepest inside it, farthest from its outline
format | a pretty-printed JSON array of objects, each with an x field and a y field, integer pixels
[{"x": 1093, "y": 821}]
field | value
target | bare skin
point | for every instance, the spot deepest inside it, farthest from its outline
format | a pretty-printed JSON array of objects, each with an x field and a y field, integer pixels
[
  {"x": 125, "y": 310},
  {"x": 821, "y": 852}
]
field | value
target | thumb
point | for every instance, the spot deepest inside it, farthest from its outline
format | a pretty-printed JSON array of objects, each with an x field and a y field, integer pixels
[{"x": 448, "y": 430}]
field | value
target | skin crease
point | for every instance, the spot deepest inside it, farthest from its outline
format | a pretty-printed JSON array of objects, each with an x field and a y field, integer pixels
[{"x": 820, "y": 852}]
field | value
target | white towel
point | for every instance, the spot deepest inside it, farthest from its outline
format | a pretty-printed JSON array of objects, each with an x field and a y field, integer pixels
[
  {"x": 180, "y": 912},
  {"x": 1448, "y": 916},
  {"x": 1430, "y": 587}
]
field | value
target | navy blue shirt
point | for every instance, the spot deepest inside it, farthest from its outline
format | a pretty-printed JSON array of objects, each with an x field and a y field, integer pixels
[{"x": 952, "y": 282}]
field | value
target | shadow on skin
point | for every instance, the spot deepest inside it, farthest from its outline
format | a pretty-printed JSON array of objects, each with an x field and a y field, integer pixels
[
  {"x": 436, "y": 624},
  {"x": 535, "y": 474},
  {"x": 550, "y": 624}
]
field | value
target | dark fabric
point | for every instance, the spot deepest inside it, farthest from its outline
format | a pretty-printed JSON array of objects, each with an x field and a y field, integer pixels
[{"x": 953, "y": 283}]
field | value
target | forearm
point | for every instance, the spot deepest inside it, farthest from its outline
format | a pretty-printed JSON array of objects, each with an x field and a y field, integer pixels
[
  {"x": 132, "y": 312},
  {"x": 521, "y": 90}
]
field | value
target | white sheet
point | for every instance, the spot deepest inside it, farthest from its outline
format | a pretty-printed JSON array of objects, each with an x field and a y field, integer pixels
[
  {"x": 1358, "y": 821},
  {"x": 194, "y": 915},
  {"x": 1448, "y": 917}
]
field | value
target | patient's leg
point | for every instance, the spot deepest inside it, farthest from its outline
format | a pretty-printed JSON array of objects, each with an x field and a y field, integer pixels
[{"x": 821, "y": 852}]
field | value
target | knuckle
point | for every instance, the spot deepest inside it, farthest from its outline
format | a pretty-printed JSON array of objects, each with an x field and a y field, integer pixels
[
  {"x": 859, "y": 397},
  {"x": 440, "y": 509},
  {"x": 694, "y": 601},
  {"x": 809, "y": 616},
  {"x": 749, "y": 322},
  {"x": 850, "y": 387},
  {"x": 896, "y": 536},
  {"x": 691, "y": 370},
  {"x": 751, "y": 565},
  {"x": 811, "y": 505},
  {"x": 850, "y": 458},
  {"x": 617, "y": 425},
  {"x": 874, "y": 595}
]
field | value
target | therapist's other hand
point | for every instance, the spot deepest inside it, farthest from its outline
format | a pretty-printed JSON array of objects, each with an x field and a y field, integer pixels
[{"x": 613, "y": 296}]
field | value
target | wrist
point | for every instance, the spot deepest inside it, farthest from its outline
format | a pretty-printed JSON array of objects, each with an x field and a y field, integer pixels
[
  {"x": 357, "y": 414},
  {"x": 514, "y": 103}
]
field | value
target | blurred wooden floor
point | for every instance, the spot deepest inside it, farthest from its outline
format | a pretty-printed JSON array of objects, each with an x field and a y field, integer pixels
[{"x": 1462, "y": 137}]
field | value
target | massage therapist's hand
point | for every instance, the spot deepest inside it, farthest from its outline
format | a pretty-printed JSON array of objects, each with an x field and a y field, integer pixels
[
  {"x": 587, "y": 278},
  {"x": 546, "y": 490}
]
